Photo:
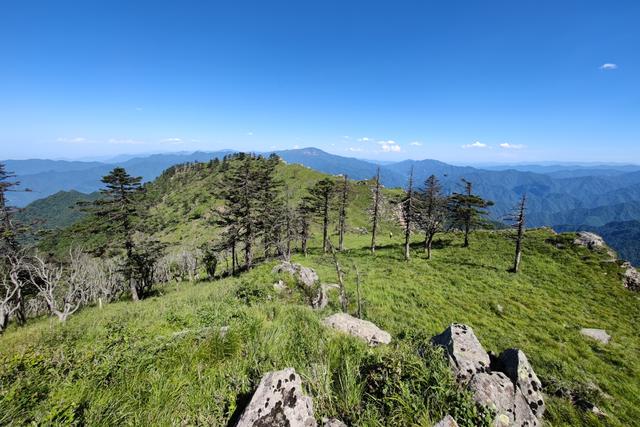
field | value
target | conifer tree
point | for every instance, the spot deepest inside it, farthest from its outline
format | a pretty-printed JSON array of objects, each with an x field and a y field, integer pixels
[
  {"x": 117, "y": 212},
  {"x": 342, "y": 213},
  {"x": 320, "y": 199},
  {"x": 408, "y": 214},
  {"x": 303, "y": 220},
  {"x": 432, "y": 211},
  {"x": 467, "y": 210},
  {"x": 8, "y": 240}
]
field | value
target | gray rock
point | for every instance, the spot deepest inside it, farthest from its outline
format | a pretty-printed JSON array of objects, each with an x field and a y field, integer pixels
[
  {"x": 496, "y": 391},
  {"x": 596, "y": 334},
  {"x": 466, "y": 355},
  {"x": 593, "y": 242},
  {"x": 362, "y": 329},
  {"x": 323, "y": 298},
  {"x": 332, "y": 422},
  {"x": 447, "y": 421},
  {"x": 279, "y": 286},
  {"x": 631, "y": 279},
  {"x": 516, "y": 366},
  {"x": 305, "y": 275},
  {"x": 279, "y": 401}
]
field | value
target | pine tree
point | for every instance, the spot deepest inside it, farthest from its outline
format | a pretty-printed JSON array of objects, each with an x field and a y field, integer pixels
[
  {"x": 467, "y": 210},
  {"x": 408, "y": 215},
  {"x": 432, "y": 211},
  {"x": 342, "y": 213},
  {"x": 117, "y": 212},
  {"x": 8, "y": 238},
  {"x": 303, "y": 220},
  {"x": 320, "y": 199},
  {"x": 375, "y": 211}
]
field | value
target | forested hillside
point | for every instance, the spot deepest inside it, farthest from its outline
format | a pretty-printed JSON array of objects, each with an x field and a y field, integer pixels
[{"x": 181, "y": 328}]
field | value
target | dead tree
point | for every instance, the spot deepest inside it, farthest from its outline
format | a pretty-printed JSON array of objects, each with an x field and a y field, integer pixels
[
  {"x": 375, "y": 211},
  {"x": 340, "y": 274},
  {"x": 63, "y": 295},
  {"x": 10, "y": 287},
  {"x": 358, "y": 294},
  {"x": 518, "y": 222},
  {"x": 432, "y": 211}
]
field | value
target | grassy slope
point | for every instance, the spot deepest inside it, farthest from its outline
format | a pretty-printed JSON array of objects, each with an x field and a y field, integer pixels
[{"x": 162, "y": 361}]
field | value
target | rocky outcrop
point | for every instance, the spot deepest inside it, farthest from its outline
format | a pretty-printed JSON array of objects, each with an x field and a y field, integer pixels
[
  {"x": 596, "y": 334},
  {"x": 307, "y": 278},
  {"x": 631, "y": 277},
  {"x": 447, "y": 421},
  {"x": 593, "y": 242},
  {"x": 304, "y": 275},
  {"x": 465, "y": 353},
  {"x": 506, "y": 383},
  {"x": 279, "y": 401},
  {"x": 362, "y": 329},
  {"x": 516, "y": 366}
]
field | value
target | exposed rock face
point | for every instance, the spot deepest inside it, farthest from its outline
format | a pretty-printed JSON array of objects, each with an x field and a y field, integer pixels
[
  {"x": 279, "y": 401},
  {"x": 506, "y": 384},
  {"x": 593, "y": 242},
  {"x": 447, "y": 421},
  {"x": 516, "y": 366},
  {"x": 631, "y": 278},
  {"x": 466, "y": 355},
  {"x": 589, "y": 240},
  {"x": 362, "y": 329},
  {"x": 596, "y": 334}
]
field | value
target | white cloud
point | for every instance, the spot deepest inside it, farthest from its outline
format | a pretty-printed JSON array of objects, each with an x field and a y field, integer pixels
[
  {"x": 389, "y": 146},
  {"x": 173, "y": 141},
  {"x": 355, "y": 150},
  {"x": 250, "y": 133},
  {"x": 416, "y": 143},
  {"x": 364, "y": 139},
  {"x": 609, "y": 66},
  {"x": 508, "y": 146},
  {"x": 76, "y": 140},
  {"x": 295, "y": 147},
  {"x": 476, "y": 144},
  {"x": 125, "y": 141}
]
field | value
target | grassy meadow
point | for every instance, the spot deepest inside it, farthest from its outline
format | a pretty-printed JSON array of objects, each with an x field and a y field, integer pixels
[{"x": 166, "y": 361}]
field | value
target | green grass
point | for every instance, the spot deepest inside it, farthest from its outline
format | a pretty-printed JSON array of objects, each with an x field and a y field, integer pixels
[{"x": 163, "y": 361}]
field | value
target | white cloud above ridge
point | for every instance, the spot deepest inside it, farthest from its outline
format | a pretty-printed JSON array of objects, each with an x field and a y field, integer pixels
[
  {"x": 416, "y": 143},
  {"x": 76, "y": 140},
  {"x": 476, "y": 144},
  {"x": 507, "y": 146}
]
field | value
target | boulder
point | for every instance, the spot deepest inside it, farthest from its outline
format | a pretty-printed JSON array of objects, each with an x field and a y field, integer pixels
[
  {"x": 447, "y": 421},
  {"x": 631, "y": 279},
  {"x": 362, "y": 329},
  {"x": 596, "y": 334},
  {"x": 305, "y": 275},
  {"x": 465, "y": 353},
  {"x": 516, "y": 366},
  {"x": 497, "y": 392},
  {"x": 279, "y": 401}
]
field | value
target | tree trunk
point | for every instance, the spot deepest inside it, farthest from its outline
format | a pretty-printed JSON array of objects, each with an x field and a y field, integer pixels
[
  {"x": 376, "y": 204},
  {"x": 429, "y": 242},
  {"x": 343, "y": 214},
  {"x": 325, "y": 225},
  {"x": 466, "y": 235}
]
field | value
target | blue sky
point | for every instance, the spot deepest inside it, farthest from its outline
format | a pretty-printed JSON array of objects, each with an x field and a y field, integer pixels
[{"x": 461, "y": 81}]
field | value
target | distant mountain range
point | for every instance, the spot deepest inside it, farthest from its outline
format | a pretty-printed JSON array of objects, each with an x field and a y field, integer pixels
[{"x": 562, "y": 196}]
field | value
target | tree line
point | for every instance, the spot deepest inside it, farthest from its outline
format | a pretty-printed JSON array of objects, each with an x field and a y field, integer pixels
[{"x": 259, "y": 219}]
